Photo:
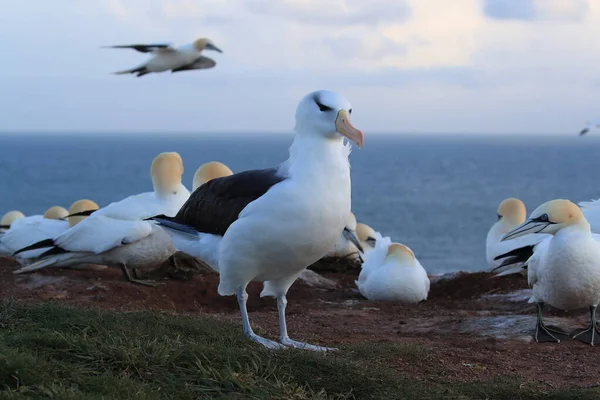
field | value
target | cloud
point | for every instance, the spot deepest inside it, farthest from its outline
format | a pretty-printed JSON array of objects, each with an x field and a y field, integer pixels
[
  {"x": 473, "y": 68},
  {"x": 364, "y": 47},
  {"x": 334, "y": 13},
  {"x": 534, "y": 10},
  {"x": 509, "y": 9}
]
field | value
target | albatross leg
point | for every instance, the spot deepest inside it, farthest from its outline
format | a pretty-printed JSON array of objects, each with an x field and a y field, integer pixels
[
  {"x": 590, "y": 334},
  {"x": 283, "y": 335},
  {"x": 242, "y": 297},
  {"x": 134, "y": 280}
]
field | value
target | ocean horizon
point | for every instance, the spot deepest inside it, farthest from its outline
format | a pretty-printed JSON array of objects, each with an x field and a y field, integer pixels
[{"x": 436, "y": 193}]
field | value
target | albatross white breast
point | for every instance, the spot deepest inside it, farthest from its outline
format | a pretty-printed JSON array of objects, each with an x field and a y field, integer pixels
[{"x": 269, "y": 225}]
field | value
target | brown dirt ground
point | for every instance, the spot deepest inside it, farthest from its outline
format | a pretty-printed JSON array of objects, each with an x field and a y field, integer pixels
[{"x": 469, "y": 329}]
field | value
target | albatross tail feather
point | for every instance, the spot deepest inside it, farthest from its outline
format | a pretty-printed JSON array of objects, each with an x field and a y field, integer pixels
[
  {"x": 203, "y": 246},
  {"x": 170, "y": 223}
]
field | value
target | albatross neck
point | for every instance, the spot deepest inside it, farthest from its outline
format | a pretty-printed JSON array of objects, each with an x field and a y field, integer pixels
[{"x": 311, "y": 154}]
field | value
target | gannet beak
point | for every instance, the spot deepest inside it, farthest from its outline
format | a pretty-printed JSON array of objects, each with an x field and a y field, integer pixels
[
  {"x": 351, "y": 237},
  {"x": 344, "y": 127},
  {"x": 211, "y": 46},
  {"x": 525, "y": 228}
]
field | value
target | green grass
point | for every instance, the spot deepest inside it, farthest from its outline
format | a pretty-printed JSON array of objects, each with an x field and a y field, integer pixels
[{"x": 52, "y": 351}]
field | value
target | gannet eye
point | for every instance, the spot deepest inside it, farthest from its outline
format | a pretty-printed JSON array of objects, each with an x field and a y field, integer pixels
[
  {"x": 350, "y": 111},
  {"x": 499, "y": 216},
  {"x": 323, "y": 107},
  {"x": 542, "y": 218}
]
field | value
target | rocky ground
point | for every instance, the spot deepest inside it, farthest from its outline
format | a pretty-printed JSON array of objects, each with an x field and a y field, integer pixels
[{"x": 475, "y": 327}]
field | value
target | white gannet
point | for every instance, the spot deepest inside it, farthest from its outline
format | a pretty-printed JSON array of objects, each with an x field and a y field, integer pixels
[
  {"x": 167, "y": 198},
  {"x": 208, "y": 171},
  {"x": 269, "y": 225},
  {"x": 56, "y": 213},
  {"x": 167, "y": 57},
  {"x": 511, "y": 213},
  {"x": 589, "y": 125},
  {"x": 366, "y": 235},
  {"x": 564, "y": 269},
  {"x": 19, "y": 232},
  {"x": 9, "y": 218},
  {"x": 393, "y": 273},
  {"x": 23, "y": 234},
  {"x": 54, "y": 223},
  {"x": 368, "y": 238},
  {"x": 100, "y": 239},
  {"x": 348, "y": 245}
]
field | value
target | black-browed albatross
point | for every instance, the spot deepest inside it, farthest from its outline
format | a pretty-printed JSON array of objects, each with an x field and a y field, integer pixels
[{"x": 269, "y": 225}]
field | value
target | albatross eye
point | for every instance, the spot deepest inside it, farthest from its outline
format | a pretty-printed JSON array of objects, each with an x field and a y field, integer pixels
[{"x": 323, "y": 107}]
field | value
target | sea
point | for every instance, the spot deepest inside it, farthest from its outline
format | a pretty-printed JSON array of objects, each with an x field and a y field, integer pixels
[{"x": 438, "y": 194}]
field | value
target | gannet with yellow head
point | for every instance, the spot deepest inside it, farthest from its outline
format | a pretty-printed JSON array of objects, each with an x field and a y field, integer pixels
[
  {"x": 393, "y": 273},
  {"x": 511, "y": 213},
  {"x": 168, "y": 196},
  {"x": 32, "y": 230},
  {"x": 564, "y": 269},
  {"x": 9, "y": 218},
  {"x": 165, "y": 57},
  {"x": 209, "y": 171}
]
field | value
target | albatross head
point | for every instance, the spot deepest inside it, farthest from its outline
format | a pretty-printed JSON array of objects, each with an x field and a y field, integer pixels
[
  {"x": 205, "y": 44},
  {"x": 9, "y": 218},
  {"x": 512, "y": 210},
  {"x": 78, "y": 207},
  {"x": 550, "y": 217},
  {"x": 209, "y": 171},
  {"x": 366, "y": 234},
  {"x": 166, "y": 172},
  {"x": 400, "y": 253},
  {"x": 327, "y": 113},
  {"x": 56, "y": 212}
]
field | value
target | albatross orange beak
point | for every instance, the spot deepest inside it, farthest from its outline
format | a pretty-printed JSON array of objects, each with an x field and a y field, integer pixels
[{"x": 344, "y": 127}]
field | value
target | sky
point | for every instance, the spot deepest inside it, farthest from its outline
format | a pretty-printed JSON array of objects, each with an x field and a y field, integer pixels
[{"x": 407, "y": 66}]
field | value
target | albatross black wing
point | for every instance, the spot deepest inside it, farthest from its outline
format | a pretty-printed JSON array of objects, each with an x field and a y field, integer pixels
[
  {"x": 142, "y": 48},
  {"x": 214, "y": 206},
  {"x": 583, "y": 131},
  {"x": 200, "y": 63}
]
